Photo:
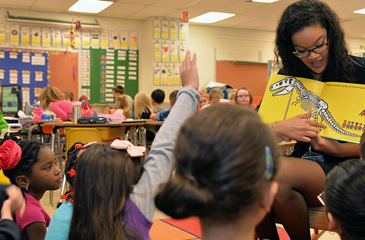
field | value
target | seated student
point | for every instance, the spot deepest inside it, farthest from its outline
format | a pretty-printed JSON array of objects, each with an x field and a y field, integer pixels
[
  {"x": 157, "y": 99},
  {"x": 118, "y": 90},
  {"x": 118, "y": 201},
  {"x": 142, "y": 106},
  {"x": 244, "y": 98},
  {"x": 122, "y": 107},
  {"x": 68, "y": 95},
  {"x": 11, "y": 199},
  {"x": 59, "y": 226},
  {"x": 229, "y": 186},
  {"x": 344, "y": 199},
  {"x": 161, "y": 116},
  {"x": 204, "y": 101},
  {"x": 215, "y": 96},
  {"x": 31, "y": 165},
  {"x": 52, "y": 98}
]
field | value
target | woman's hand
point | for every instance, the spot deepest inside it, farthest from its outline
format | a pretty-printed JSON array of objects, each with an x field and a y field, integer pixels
[
  {"x": 299, "y": 127},
  {"x": 334, "y": 147},
  {"x": 188, "y": 72}
]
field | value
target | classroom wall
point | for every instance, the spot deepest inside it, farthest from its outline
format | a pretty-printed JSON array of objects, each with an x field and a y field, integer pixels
[{"x": 210, "y": 44}]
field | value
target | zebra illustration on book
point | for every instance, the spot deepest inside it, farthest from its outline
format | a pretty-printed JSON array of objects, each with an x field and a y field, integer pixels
[{"x": 308, "y": 100}]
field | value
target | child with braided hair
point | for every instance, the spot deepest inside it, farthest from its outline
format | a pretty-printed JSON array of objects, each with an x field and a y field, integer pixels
[
  {"x": 31, "y": 166},
  {"x": 60, "y": 223},
  {"x": 115, "y": 187}
]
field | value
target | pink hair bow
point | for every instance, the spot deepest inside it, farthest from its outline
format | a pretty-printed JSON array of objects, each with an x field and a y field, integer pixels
[{"x": 133, "y": 151}]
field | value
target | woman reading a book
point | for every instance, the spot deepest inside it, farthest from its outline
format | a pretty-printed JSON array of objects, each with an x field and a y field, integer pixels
[{"x": 311, "y": 44}]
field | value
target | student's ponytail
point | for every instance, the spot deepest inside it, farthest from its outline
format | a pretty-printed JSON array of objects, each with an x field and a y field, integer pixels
[{"x": 185, "y": 198}]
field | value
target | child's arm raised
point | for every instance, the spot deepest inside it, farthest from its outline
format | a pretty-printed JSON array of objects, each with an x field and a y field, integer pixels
[{"x": 159, "y": 161}]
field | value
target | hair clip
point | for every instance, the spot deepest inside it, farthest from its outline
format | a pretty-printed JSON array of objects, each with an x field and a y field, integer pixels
[
  {"x": 269, "y": 163},
  {"x": 10, "y": 154},
  {"x": 133, "y": 151}
]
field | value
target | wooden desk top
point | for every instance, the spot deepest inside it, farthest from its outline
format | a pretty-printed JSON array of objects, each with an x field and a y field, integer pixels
[
  {"x": 71, "y": 124},
  {"x": 153, "y": 122}
]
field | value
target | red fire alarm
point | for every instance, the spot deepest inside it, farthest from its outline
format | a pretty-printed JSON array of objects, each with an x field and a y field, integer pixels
[{"x": 185, "y": 16}]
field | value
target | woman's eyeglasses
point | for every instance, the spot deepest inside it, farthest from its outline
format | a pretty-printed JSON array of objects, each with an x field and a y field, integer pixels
[
  {"x": 243, "y": 96},
  {"x": 305, "y": 53},
  {"x": 321, "y": 198}
]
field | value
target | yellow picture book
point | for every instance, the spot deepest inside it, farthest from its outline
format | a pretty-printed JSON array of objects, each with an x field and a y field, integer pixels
[{"x": 340, "y": 106}]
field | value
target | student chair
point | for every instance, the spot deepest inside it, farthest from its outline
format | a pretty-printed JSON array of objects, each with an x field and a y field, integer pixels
[{"x": 74, "y": 135}]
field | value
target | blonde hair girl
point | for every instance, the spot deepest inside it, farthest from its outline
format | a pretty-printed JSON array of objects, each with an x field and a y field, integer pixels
[
  {"x": 142, "y": 106},
  {"x": 122, "y": 106},
  {"x": 52, "y": 98}
]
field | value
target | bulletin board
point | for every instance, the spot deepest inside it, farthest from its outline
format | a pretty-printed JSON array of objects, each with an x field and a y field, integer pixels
[
  {"x": 243, "y": 74},
  {"x": 109, "y": 67},
  {"x": 28, "y": 68}
]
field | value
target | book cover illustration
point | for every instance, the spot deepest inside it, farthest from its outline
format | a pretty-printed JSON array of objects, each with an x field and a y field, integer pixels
[{"x": 340, "y": 106}]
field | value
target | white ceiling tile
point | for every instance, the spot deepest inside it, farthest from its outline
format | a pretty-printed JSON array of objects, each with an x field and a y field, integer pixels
[
  {"x": 20, "y": 4},
  {"x": 53, "y": 5},
  {"x": 238, "y": 7},
  {"x": 142, "y": 2},
  {"x": 122, "y": 9},
  {"x": 174, "y": 3},
  {"x": 152, "y": 11}
]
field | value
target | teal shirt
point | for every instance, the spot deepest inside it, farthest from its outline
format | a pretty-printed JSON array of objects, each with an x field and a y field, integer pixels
[{"x": 59, "y": 227}]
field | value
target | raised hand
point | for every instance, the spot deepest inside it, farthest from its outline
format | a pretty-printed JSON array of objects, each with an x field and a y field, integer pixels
[{"x": 188, "y": 72}]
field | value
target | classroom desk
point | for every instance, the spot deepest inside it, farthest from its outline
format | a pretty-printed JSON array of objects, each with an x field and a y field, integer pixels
[
  {"x": 121, "y": 125},
  {"x": 34, "y": 124}
]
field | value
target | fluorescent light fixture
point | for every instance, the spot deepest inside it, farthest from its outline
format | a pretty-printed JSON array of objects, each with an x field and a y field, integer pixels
[
  {"x": 361, "y": 11},
  {"x": 211, "y": 17},
  {"x": 264, "y": 1},
  {"x": 90, "y": 6}
]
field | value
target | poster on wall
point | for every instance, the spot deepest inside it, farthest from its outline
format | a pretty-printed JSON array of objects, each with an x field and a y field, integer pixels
[
  {"x": 104, "y": 39},
  {"x": 85, "y": 38},
  {"x": 24, "y": 35},
  {"x": 156, "y": 28},
  {"x": 124, "y": 39},
  {"x": 170, "y": 75},
  {"x": 115, "y": 37},
  {"x": 56, "y": 37},
  {"x": 157, "y": 52},
  {"x": 95, "y": 38},
  {"x": 66, "y": 38},
  {"x": 133, "y": 40},
  {"x": 2, "y": 33},
  {"x": 36, "y": 36},
  {"x": 174, "y": 53},
  {"x": 165, "y": 53},
  {"x": 183, "y": 29},
  {"x": 176, "y": 75},
  {"x": 182, "y": 51},
  {"x": 165, "y": 29},
  {"x": 156, "y": 75},
  {"x": 77, "y": 39},
  {"x": 173, "y": 30},
  {"x": 46, "y": 37},
  {"x": 14, "y": 34},
  {"x": 163, "y": 75}
]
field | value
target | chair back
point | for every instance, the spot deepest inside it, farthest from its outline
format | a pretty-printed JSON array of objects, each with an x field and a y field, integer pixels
[{"x": 83, "y": 135}]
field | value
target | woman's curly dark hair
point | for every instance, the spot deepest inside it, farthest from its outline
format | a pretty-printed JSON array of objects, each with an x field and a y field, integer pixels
[{"x": 306, "y": 13}]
